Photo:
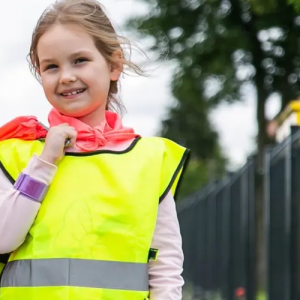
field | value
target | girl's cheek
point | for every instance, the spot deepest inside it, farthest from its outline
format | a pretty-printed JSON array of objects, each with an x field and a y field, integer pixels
[{"x": 47, "y": 81}]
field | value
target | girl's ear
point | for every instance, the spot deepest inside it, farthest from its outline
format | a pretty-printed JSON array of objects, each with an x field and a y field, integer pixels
[{"x": 116, "y": 68}]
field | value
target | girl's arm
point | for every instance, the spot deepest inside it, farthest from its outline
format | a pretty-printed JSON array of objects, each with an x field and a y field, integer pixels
[
  {"x": 17, "y": 212},
  {"x": 165, "y": 278}
]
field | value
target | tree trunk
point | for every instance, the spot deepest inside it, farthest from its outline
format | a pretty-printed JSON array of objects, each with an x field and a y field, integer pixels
[{"x": 260, "y": 230}]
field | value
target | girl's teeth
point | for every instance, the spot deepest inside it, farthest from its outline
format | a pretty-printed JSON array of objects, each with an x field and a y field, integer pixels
[{"x": 73, "y": 93}]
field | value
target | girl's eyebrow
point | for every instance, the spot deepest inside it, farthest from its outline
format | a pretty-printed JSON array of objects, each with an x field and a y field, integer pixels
[
  {"x": 81, "y": 52},
  {"x": 75, "y": 54},
  {"x": 46, "y": 60}
]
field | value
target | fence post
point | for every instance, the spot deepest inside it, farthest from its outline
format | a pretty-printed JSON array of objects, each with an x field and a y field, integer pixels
[
  {"x": 250, "y": 283},
  {"x": 278, "y": 220},
  {"x": 288, "y": 205},
  {"x": 295, "y": 215}
]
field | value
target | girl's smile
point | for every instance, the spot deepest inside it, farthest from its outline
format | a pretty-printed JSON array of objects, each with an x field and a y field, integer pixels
[{"x": 73, "y": 93}]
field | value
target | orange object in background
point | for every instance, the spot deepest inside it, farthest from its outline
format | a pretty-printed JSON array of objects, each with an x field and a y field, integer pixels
[{"x": 240, "y": 293}]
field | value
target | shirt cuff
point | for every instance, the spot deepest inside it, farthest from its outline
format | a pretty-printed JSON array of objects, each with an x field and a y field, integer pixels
[{"x": 40, "y": 170}]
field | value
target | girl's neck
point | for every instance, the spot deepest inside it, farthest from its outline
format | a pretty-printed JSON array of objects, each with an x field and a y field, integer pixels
[{"x": 95, "y": 118}]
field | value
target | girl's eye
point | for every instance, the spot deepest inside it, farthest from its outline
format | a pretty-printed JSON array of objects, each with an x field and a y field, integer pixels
[
  {"x": 50, "y": 67},
  {"x": 80, "y": 60}
]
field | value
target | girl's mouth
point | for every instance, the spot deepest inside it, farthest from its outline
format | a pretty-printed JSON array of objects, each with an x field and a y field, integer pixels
[{"x": 73, "y": 94}]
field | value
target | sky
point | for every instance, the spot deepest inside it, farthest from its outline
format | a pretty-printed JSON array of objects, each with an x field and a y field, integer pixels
[{"x": 146, "y": 99}]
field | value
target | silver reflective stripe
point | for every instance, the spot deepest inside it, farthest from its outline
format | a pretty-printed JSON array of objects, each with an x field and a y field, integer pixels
[{"x": 76, "y": 273}]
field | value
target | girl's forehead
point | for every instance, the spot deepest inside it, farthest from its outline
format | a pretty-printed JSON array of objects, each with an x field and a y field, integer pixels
[
  {"x": 65, "y": 31},
  {"x": 64, "y": 39}
]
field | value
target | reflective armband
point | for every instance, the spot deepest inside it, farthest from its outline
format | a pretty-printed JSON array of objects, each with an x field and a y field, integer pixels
[{"x": 31, "y": 187}]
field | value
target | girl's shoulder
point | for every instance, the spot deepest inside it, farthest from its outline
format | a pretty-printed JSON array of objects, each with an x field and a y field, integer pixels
[
  {"x": 163, "y": 144},
  {"x": 173, "y": 159}
]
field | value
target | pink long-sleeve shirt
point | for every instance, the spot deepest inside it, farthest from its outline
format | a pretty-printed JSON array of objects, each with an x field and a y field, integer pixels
[{"x": 17, "y": 214}]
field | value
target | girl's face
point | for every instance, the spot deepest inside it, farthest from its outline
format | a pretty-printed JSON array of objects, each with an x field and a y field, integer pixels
[{"x": 74, "y": 74}]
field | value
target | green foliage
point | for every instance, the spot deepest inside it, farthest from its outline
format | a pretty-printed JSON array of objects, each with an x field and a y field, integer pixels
[
  {"x": 263, "y": 7},
  {"x": 296, "y": 4}
]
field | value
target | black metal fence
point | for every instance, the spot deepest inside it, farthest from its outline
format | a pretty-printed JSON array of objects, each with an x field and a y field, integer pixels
[{"x": 218, "y": 230}]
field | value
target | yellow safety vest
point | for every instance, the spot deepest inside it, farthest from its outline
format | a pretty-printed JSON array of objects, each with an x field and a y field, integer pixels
[{"x": 92, "y": 235}]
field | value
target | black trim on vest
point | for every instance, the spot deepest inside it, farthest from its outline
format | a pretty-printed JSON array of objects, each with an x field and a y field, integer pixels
[
  {"x": 182, "y": 165},
  {"x": 5, "y": 172},
  {"x": 132, "y": 145},
  {"x": 4, "y": 258}
]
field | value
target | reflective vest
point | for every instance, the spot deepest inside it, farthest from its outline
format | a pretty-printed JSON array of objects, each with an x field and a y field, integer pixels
[{"x": 92, "y": 235}]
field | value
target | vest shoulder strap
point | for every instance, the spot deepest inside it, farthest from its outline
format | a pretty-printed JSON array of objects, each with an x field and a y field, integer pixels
[{"x": 174, "y": 161}]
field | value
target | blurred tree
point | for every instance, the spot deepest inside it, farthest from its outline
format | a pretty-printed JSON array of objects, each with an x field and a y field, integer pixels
[
  {"x": 296, "y": 4},
  {"x": 264, "y": 7},
  {"x": 223, "y": 48},
  {"x": 189, "y": 125}
]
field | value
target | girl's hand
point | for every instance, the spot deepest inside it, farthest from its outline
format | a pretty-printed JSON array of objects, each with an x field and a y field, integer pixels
[{"x": 55, "y": 142}]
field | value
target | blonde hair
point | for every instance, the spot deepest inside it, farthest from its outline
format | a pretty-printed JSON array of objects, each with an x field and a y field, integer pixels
[{"x": 89, "y": 15}]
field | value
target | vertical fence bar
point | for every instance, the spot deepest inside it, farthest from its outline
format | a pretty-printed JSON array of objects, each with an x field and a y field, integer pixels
[
  {"x": 295, "y": 215},
  {"x": 287, "y": 202},
  {"x": 244, "y": 227},
  {"x": 250, "y": 286},
  {"x": 267, "y": 203},
  {"x": 211, "y": 238},
  {"x": 236, "y": 215},
  {"x": 186, "y": 218},
  {"x": 201, "y": 241},
  {"x": 226, "y": 280},
  {"x": 221, "y": 250},
  {"x": 219, "y": 242},
  {"x": 278, "y": 207}
]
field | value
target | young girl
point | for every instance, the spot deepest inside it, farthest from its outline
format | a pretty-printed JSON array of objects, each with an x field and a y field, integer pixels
[{"x": 88, "y": 212}]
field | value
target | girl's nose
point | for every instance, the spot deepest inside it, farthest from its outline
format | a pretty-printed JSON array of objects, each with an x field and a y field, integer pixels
[{"x": 67, "y": 77}]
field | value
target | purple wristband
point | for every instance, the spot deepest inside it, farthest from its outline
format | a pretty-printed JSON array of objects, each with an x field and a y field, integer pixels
[{"x": 31, "y": 187}]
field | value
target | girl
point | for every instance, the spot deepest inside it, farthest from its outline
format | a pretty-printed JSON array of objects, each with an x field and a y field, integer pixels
[{"x": 87, "y": 213}]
